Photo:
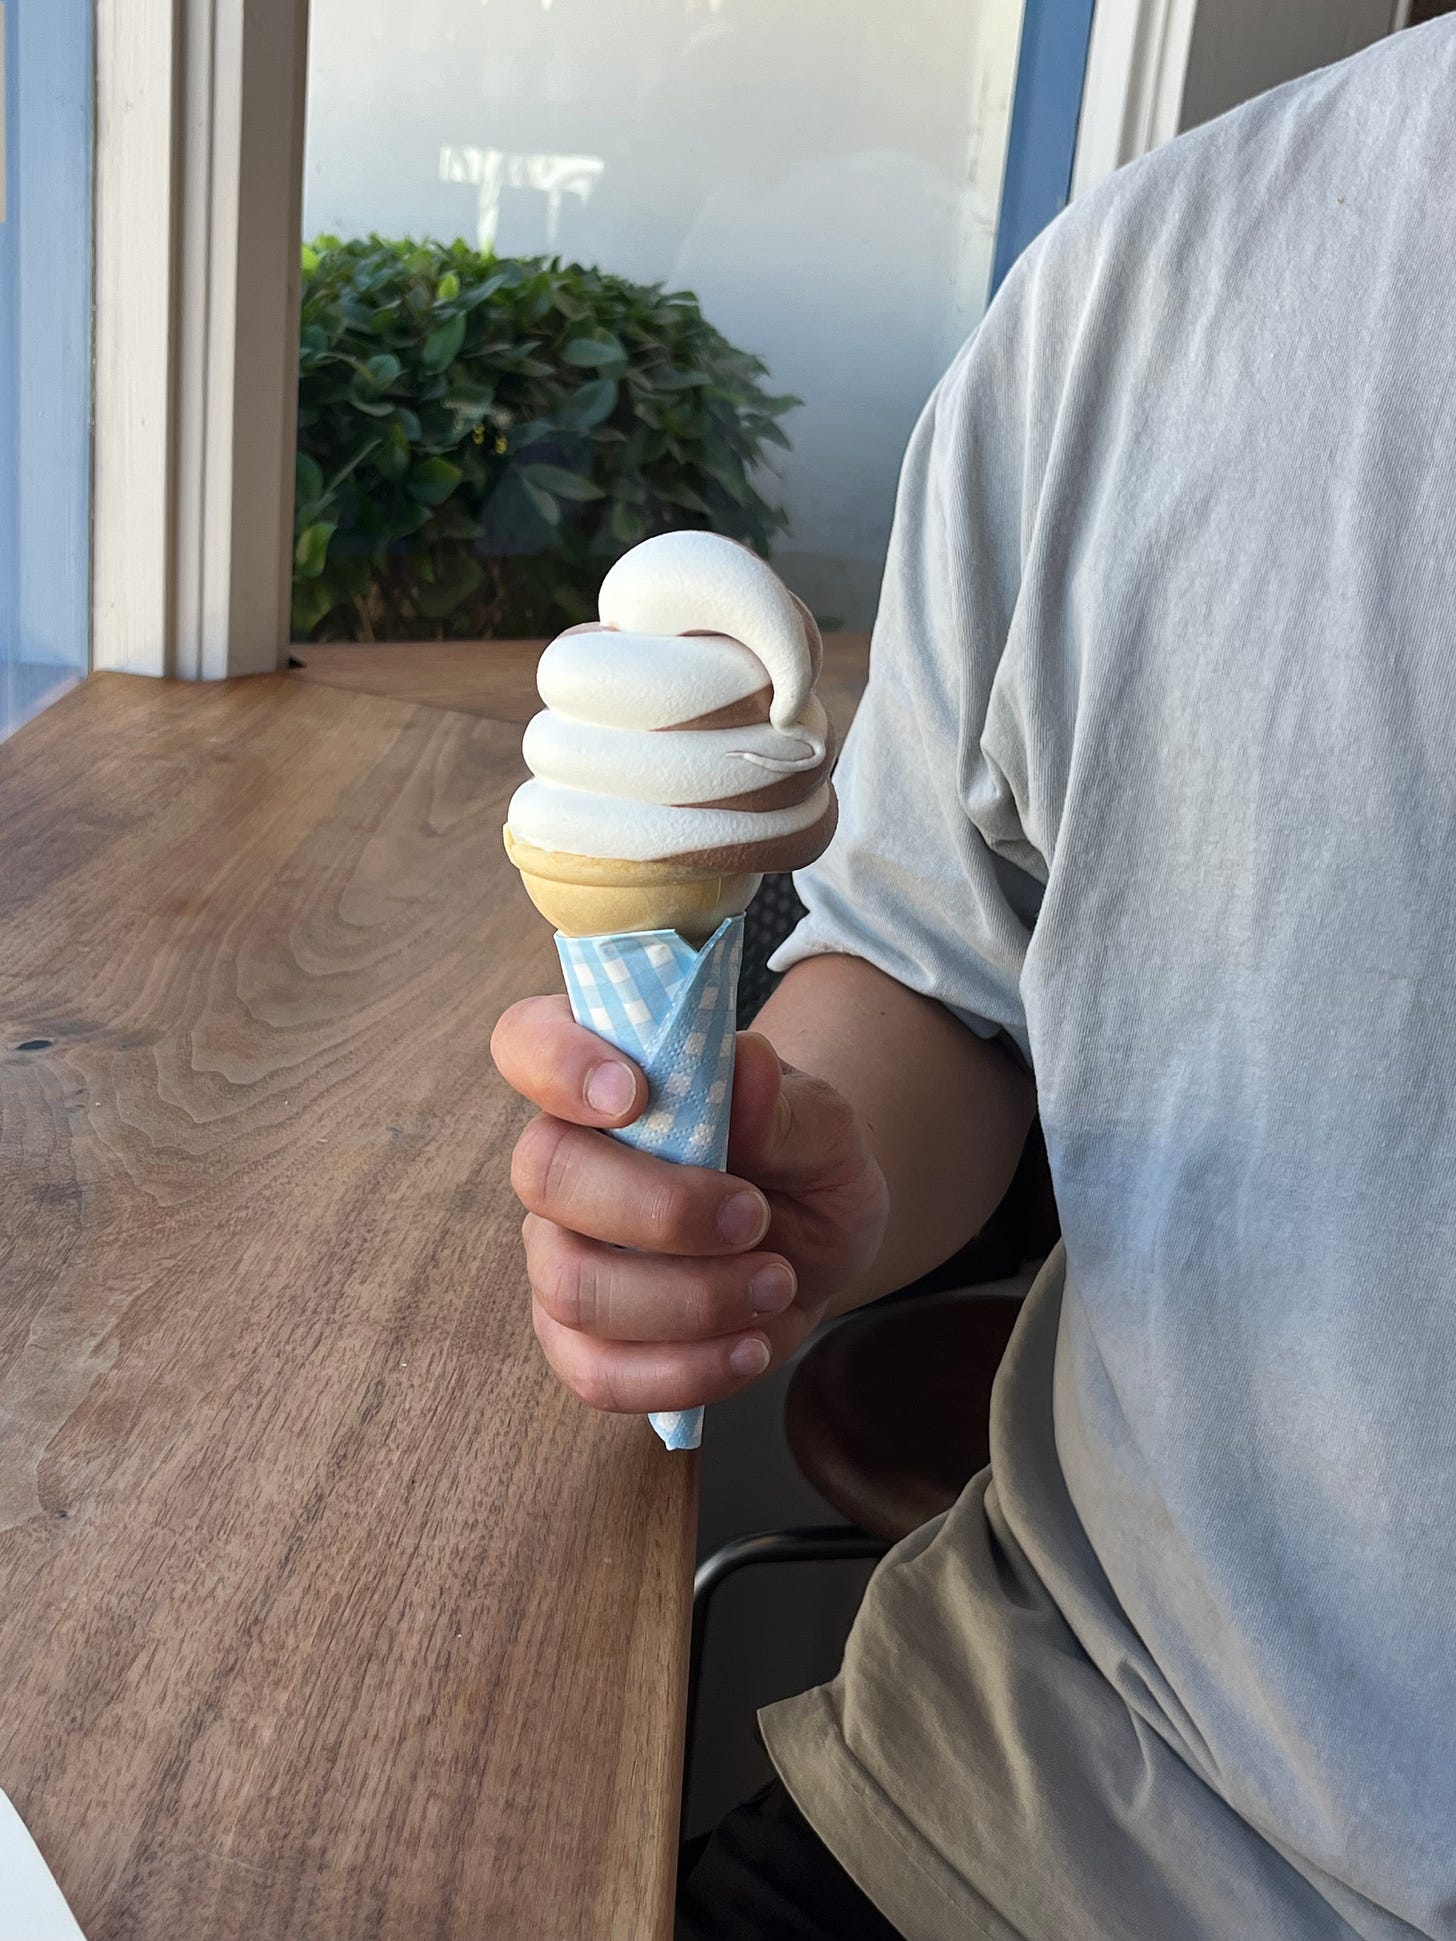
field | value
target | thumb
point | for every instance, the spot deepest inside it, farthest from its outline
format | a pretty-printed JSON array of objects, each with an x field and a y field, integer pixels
[
  {"x": 789, "y": 1130},
  {"x": 757, "y": 1120}
]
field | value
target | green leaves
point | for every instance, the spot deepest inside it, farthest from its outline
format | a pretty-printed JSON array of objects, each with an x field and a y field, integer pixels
[
  {"x": 627, "y": 524},
  {"x": 478, "y": 292},
  {"x": 593, "y": 350},
  {"x": 664, "y": 379},
  {"x": 679, "y": 492},
  {"x": 308, "y": 482},
  {"x": 479, "y": 437},
  {"x": 311, "y": 548},
  {"x": 383, "y": 369},
  {"x": 589, "y": 404},
  {"x": 442, "y": 346},
  {"x": 541, "y": 500},
  {"x": 448, "y": 589},
  {"x": 392, "y": 458},
  {"x": 432, "y": 482},
  {"x": 565, "y": 485},
  {"x": 470, "y": 396}
]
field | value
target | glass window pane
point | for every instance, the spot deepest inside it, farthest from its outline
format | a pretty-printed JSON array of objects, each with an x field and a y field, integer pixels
[
  {"x": 45, "y": 352},
  {"x": 823, "y": 178}
]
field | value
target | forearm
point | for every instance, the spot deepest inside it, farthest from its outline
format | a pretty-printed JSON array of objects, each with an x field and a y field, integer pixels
[{"x": 948, "y": 1112}]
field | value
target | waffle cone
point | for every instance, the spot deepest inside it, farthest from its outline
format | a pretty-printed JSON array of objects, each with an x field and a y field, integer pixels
[{"x": 595, "y": 896}]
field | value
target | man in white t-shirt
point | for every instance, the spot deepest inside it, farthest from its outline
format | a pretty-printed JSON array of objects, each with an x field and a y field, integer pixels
[{"x": 1149, "y": 818}]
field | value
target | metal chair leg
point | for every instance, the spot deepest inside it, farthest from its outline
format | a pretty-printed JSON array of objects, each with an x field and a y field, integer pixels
[{"x": 813, "y": 1543}]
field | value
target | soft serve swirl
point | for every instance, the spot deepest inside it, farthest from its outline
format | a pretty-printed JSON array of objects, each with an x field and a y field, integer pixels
[{"x": 684, "y": 724}]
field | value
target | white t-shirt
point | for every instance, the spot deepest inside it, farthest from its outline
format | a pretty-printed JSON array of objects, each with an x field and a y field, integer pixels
[{"x": 1156, "y": 774}]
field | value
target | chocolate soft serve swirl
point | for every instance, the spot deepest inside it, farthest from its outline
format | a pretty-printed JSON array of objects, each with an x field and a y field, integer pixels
[{"x": 682, "y": 730}]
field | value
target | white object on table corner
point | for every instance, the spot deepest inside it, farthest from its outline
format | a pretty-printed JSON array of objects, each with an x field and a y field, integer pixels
[{"x": 32, "y": 1907}]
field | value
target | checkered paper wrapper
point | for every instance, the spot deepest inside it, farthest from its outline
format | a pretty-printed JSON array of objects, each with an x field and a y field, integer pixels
[{"x": 674, "y": 1010}]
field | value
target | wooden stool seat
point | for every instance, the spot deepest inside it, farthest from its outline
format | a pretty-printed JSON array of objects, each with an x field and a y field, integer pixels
[{"x": 888, "y": 1416}]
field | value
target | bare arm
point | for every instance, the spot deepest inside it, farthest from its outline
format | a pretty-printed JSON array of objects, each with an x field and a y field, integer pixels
[{"x": 946, "y": 1112}]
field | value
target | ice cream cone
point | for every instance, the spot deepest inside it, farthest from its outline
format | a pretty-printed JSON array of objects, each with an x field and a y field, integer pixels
[
  {"x": 682, "y": 729},
  {"x": 593, "y": 896}
]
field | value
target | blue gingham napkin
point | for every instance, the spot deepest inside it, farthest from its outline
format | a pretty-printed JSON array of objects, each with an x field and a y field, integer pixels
[{"x": 673, "y": 1009}]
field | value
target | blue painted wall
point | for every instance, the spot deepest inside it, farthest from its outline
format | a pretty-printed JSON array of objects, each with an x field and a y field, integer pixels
[
  {"x": 1045, "y": 111},
  {"x": 45, "y": 353},
  {"x": 9, "y": 331}
]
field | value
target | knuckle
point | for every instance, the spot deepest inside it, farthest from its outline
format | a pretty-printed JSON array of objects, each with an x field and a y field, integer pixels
[
  {"x": 538, "y": 1163},
  {"x": 695, "y": 1208},
  {"x": 566, "y": 1288},
  {"x": 504, "y": 1031},
  {"x": 527, "y": 1164},
  {"x": 595, "y": 1383},
  {"x": 513, "y": 1027},
  {"x": 661, "y": 1212},
  {"x": 582, "y": 1368},
  {"x": 827, "y": 1117},
  {"x": 521, "y": 1045},
  {"x": 542, "y": 1340},
  {"x": 571, "y": 1374},
  {"x": 712, "y": 1307},
  {"x": 829, "y": 1102}
]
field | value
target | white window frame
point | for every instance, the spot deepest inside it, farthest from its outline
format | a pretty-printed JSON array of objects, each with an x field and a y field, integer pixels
[
  {"x": 1137, "y": 68},
  {"x": 1144, "y": 53},
  {"x": 199, "y": 175}
]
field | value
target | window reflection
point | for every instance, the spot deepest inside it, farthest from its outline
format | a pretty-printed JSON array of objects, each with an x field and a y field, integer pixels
[
  {"x": 45, "y": 354},
  {"x": 823, "y": 177}
]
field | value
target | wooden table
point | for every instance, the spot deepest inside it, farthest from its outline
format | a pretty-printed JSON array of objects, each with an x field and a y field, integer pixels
[
  {"x": 498, "y": 677},
  {"x": 324, "y": 1614}
]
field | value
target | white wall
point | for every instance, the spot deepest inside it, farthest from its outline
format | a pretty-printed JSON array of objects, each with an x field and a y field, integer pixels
[{"x": 823, "y": 174}]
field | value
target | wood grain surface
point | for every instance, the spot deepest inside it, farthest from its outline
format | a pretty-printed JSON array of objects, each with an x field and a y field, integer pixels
[
  {"x": 494, "y": 678},
  {"x": 497, "y": 678},
  {"x": 324, "y": 1614}
]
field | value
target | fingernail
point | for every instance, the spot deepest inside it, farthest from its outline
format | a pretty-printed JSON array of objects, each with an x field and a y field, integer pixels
[
  {"x": 743, "y": 1219},
  {"x": 772, "y": 1289},
  {"x": 750, "y": 1356},
  {"x": 610, "y": 1089}
]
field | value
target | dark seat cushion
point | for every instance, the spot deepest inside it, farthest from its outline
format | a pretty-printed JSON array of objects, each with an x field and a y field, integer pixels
[{"x": 888, "y": 1415}]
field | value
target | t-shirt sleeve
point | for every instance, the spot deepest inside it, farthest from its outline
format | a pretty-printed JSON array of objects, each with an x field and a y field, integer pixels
[{"x": 931, "y": 875}]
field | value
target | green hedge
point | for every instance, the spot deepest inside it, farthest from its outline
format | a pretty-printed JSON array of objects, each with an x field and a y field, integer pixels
[{"x": 480, "y": 437}]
